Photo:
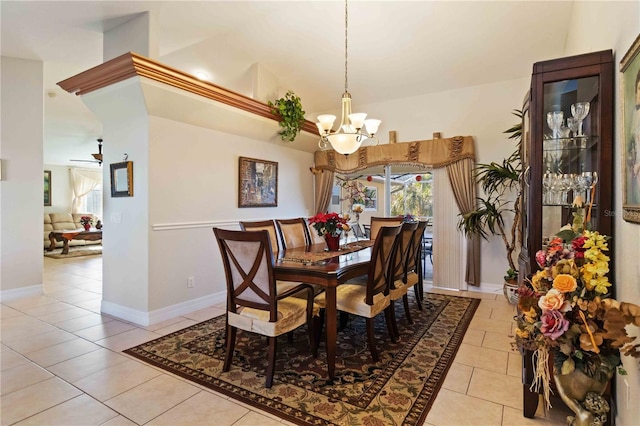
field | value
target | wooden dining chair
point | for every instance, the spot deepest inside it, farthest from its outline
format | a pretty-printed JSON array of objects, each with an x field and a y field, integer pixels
[
  {"x": 256, "y": 302},
  {"x": 378, "y": 222},
  {"x": 368, "y": 295},
  {"x": 314, "y": 238},
  {"x": 398, "y": 288},
  {"x": 267, "y": 225},
  {"x": 293, "y": 232},
  {"x": 413, "y": 268}
]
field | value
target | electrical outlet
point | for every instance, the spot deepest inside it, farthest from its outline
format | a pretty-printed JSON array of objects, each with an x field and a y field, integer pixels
[{"x": 191, "y": 281}]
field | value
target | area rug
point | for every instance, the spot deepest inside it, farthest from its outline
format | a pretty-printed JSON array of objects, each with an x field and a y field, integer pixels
[
  {"x": 398, "y": 390},
  {"x": 74, "y": 252}
]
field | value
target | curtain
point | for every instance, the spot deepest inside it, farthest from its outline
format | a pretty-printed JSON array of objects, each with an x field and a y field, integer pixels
[
  {"x": 464, "y": 190},
  {"x": 324, "y": 188},
  {"x": 83, "y": 181}
]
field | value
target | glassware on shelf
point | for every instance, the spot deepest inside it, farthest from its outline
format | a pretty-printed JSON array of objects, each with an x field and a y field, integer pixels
[
  {"x": 580, "y": 110},
  {"x": 547, "y": 183},
  {"x": 581, "y": 185},
  {"x": 564, "y": 131},
  {"x": 554, "y": 121},
  {"x": 590, "y": 181},
  {"x": 572, "y": 123}
]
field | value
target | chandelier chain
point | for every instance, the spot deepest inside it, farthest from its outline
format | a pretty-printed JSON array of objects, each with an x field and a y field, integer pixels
[{"x": 346, "y": 38}]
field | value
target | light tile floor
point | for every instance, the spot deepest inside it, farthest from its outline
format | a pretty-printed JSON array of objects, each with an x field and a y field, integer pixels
[{"x": 62, "y": 365}]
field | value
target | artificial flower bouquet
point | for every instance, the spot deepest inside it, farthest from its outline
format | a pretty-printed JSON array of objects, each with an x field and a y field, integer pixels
[
  {"x": 329, "y": 224},
  {"x": 565, "y": 308},
  {"x": 84, "y": 220}
]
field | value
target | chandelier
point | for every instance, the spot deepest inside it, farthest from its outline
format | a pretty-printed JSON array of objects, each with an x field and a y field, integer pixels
[{"x": 354, "y": 127}]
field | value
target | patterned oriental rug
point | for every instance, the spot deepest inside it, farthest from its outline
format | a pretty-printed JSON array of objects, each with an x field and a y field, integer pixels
[{"x": 398, "y": 390}]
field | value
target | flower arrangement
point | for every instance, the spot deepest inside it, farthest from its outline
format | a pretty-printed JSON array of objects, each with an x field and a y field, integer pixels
[
  {"x": 566, "y": 308},
  {"x": 329, "y": 224},
  {"x": 84, "y": 220},
  {"x": 356, "y": 192}
]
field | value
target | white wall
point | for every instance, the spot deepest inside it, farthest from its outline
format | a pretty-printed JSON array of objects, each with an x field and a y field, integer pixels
[
  {"x": 61, "y": 193},
  {"x": 483, "y": 112},
  {"x": 21, "y": 205},
  {"x": 185, "y": 182},
  {"x": 195, "y": 187},
  {"x": 599, "y": 26}
]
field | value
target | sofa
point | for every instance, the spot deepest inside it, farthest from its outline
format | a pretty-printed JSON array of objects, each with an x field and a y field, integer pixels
[{"x": 67, "y": 221}]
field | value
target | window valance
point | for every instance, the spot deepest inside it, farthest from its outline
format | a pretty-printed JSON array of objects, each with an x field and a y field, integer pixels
[{"x": 432, "y": 153}]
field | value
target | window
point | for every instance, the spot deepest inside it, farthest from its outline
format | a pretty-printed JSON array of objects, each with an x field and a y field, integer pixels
[{"x": 92, "y": 202}]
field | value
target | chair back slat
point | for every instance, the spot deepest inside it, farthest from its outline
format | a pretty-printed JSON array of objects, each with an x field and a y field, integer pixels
[
  {"x": 294, "y": 232},
  {"x": 267, "y": 225},
  {"x": 314, "y": 238},
  {"x": 248, "y": 267},
  {"x": 415, "y": 249},
  {"x": 404, "y": 249},
  {"x": 379, "y": 275},
  {"x": 379, "y": 222}
]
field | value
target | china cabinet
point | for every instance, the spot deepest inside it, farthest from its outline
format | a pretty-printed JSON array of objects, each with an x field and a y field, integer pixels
[
  {"x": 567, "y": 148},
  {"x": 567, "y": 151}
]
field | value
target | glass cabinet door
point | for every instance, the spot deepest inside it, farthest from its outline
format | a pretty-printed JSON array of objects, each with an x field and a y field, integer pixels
[{"x": 570, "y": 149}]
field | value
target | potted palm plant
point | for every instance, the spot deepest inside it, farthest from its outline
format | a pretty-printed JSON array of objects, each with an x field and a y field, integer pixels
[{"x": 500, "y": 183}]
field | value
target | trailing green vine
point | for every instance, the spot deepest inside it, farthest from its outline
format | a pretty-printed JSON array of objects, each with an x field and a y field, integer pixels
[{"x": 289, "y": 108}]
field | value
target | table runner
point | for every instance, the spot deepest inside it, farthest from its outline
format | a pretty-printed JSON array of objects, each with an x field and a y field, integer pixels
[{"x": 308, "y": 257}]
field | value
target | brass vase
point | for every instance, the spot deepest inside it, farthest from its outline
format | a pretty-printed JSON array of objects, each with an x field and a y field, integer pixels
[{"x": 582, "y": 394}]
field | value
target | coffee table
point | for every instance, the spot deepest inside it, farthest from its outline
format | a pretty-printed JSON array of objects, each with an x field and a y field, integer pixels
[{"x": 65, "y": 236}]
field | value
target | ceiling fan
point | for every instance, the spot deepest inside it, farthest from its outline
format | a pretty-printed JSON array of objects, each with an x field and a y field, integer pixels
[{"x": 97, "y": 158}]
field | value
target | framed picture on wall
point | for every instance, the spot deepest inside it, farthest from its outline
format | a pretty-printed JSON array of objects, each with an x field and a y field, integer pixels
[
  {"x": 122, "y": 179},
  {"x": 257, "y": 183},
  {"x": 371, "y": 198},
  {"x": 47, "y": 187},
  {"x": 630, "y": 88}
]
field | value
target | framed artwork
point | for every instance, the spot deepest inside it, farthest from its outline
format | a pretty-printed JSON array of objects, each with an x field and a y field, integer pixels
[
  {"x": 47, "y": 187},
  {"x": 630, "y": 87},
  {"x": 122, "y": 179},
  {"x": 371, "y": 199},
  {"x": 257, "y": 183}
]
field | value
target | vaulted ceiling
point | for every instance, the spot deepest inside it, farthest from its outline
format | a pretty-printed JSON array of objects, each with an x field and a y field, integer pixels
[{"x": 397, "y": 49}]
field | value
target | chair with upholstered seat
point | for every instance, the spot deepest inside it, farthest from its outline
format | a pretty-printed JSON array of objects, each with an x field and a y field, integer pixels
[
  {"x": 398, "y": 287},
  {"x": 267, "y": 225},
  {"x": 368, "y": 295},
  {"x": 256, "y": 302},
  {"x": 378, "y": 222},
  {"x": 314, "y": 238},
  {"x": 294, "y": 232},
  {"x": 413, "y": 268}
]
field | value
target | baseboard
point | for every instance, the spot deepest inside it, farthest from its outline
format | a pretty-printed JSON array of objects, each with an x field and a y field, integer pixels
[
  {"x": 488, "y": 288},
  {"x": 148, "y": 318},
  {"x": 18, "y": 293}
]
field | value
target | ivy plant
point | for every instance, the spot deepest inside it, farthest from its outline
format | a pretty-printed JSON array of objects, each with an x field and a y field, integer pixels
[{"x": 289, "y": 108}]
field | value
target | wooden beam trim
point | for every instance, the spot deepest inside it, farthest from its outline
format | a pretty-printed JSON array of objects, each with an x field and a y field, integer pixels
[{"x": 131, "y": 64}]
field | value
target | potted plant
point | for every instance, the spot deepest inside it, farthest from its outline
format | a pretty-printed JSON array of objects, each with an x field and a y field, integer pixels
[
  {"x": 503, "y": 195},
  {"x": 289, "y": 108}
]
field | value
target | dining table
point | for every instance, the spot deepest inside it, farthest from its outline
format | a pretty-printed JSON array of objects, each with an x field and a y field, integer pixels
[{"x": 313, "y": 264}]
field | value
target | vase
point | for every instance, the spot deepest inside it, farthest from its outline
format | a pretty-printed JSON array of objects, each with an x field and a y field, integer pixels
[
  {"x": 333, "y": 242},
  {"x": 582, "y": 394},
  {"x": 510, "y": 291},
  {"x": 87, "y": 226}
]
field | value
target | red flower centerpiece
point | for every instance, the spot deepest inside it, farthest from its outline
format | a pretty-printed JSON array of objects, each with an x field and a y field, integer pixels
[
  {"x": 86, "y": 221},
  {"x": 330, "y": 226}
]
